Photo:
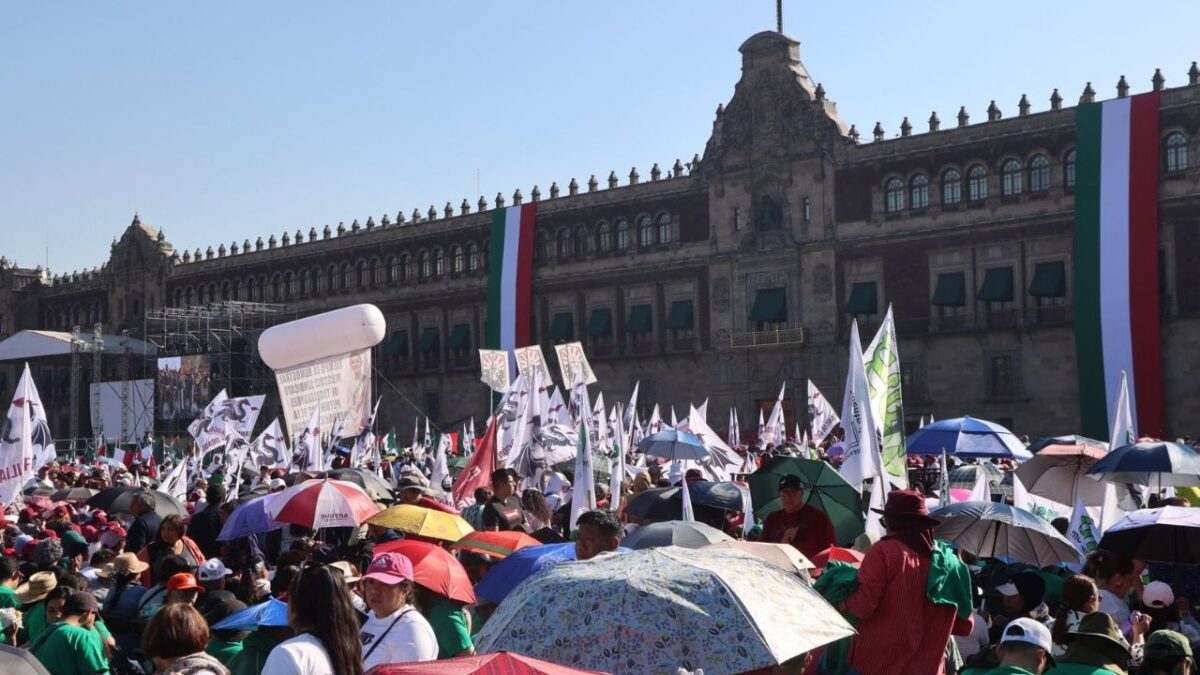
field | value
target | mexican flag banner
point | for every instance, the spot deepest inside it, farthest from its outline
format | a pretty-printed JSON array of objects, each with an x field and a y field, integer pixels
[
  {"x": 1116, "y": 262},
  {"x": 510, "y": 276}
]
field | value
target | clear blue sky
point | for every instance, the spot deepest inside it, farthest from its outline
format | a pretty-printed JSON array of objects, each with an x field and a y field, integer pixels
[{"x": 220, "y": 121}]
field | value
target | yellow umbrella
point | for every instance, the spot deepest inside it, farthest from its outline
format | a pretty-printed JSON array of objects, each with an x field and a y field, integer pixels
[{"x": 423, "y": 522}]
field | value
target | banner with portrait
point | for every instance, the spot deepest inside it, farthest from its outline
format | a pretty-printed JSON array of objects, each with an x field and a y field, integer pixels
[{"x": 340, "y": 384}]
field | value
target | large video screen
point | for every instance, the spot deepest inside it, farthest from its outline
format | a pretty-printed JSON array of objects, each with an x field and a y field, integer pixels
[{"x": 183, "y": 386}]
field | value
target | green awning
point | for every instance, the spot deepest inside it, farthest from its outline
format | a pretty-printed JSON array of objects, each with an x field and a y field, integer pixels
[
  {"x": 460, "y": 337},
  {"x": 600, "y": 323},
  {"x": 770, "y": 305},
  {"x": 863, "y": 299},
  {"x": 397, "y": 344},
  {"x": 680, "y": 316},
  {"x": 562, "y": 327},
  {"x": 639, "y": 319},
  {"x": 951, "y": 290},
  {"x": 1049, "y": 280},
  {"x": 429, "y": 341},
  {"x": 997, "y": 285}
]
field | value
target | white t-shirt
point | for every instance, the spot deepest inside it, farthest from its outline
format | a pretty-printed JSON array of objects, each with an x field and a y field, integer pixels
[
  {"x": 1115, "y": 607},
  {"x": 970, "y": 645},
  {"x": 301, "y": 655},
  {"x": 410, "y": 639}
]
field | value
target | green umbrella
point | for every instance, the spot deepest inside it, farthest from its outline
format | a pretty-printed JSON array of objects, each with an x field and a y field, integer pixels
[{"x": 824, "y": 489}]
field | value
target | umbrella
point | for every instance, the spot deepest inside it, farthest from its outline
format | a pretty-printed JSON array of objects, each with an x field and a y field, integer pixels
[
  {"x": 499, "y": 544},
  {"x": 994, "y": 530},
  {"x": 965, "y": 476},
  {"x": 839, "y": 554},
  {"x": 824, "y": 488},
  {"x": 708, "y": 500},
  {"x": 75, "y": 494},
  {"x": 1169, "y": 534},
  {"x": 434, "y": 568},
  {"x": 673, "y": 444},
  {"x": 510, "y": 572},
  {"x": 249, "y": 518},
  {"x": 662, "y": 609},
  {"x": 1071, "y": 441},
  {"x": 1153, "y": 463},
  {"x": 15, "y": 661},
  {"x": 322, "y": 502},
  {"x": 501, "y": 663},
  {"x": 1055, "y": 472},
  {"x": 780, "y": 555},
  {"x": 270, "y": 613},
  {"x": 364, "y": 478},
  {"x": 119, "y": 499},
  {"x": 423, "y": 522},
  {"x": 966, "y": 437},
  {"x": 38, "y": 491},
  {"x": 675, "y": 533}
]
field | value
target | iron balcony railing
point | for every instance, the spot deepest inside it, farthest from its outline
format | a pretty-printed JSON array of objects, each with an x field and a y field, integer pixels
[{"x": 767, "y": 338}]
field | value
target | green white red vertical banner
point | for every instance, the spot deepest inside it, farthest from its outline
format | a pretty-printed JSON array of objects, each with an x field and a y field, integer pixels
[
  {"x": 1116, "y": 262},
  {"x": 510, "y": 277}
]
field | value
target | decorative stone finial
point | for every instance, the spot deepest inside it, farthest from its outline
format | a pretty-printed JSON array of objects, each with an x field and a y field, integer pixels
[
  {"x": 963, "y": 117},
  {"x": 354, "y": 226},
  {"x": 370, "y": 223},
  {"x": 400, "y": 217},
  {"x": 1194, "y": 74},
  {"x": 482, "y": 204},
  {"x": 852, "y": 133},
  {"x": 517, "y": 196},
  {"x": 934, "y": 122},
  {"x": 161, "y": 236},
  {"x": 1157, "y": 81},
  {"x": 593, "y": 184},
  {"x": 465, "y": 207},
  {"x": 448, "y": 211},
  {"x": 720, "y": 109},
  {"x": 499, "y": 200},
  {"x": 233, "y": 248},
  {"x": 877, "y": 132},
  {"x": 993, "y": 112},
  {"x": 432, "y": 212},
  {"x": 246, "y": 246},
  {"x": 612, "y": 179},
  {"x": 1056, "y": 100},
  {"x": 554, "y": 190},
  {"x": 196, "y": 255},
  {"x": 820, "y": 92},
  {"x": 677, "y": 168},
  {"x": 536, "y": 194},
  {"x": 299, "y": 237},
  {"x": 187, "y": 257},
  {"x": 655, "y": 172},
  {"x": 136, "y": 220},
  {"x": 286, "y": 239},
  {"x": 695, "y": 162},
  {"x": 272, "y": 241},
  {"x": 416, "y": 216},
  {"x": 633, "y": 176},
  {"x": 384, "y": 221},
  {"x": 1122, "y": 88},
  {"x": 312, "y": 234},
  {"x": 905, "y": 127},
  {"x": 1023, "y": 106},
  {"x": 1089, "y": 94},
  {"x": 208, "y": 254},
  {"x": 573, "y": 187},
  {"x": 341, "y": 228}
]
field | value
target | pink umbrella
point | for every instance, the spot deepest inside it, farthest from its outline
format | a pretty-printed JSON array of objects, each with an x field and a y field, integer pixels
[{"x": 323, "y": 502}]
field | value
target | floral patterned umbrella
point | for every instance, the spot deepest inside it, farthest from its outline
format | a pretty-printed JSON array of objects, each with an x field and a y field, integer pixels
[{"x": 660, "y": 609}]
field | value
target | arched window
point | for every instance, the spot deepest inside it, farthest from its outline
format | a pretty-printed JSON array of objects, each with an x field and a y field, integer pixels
[
  {"x": 472, "y": 257},
  {"x": 645, "y": 232},
  {"x": 1175, "y": 156},
  {"x": 458, "y": 260},
  {"x": 333, "y": 279},
  {"x": 406, "y": 267},
  {"x": 293, "y": 286},
  {"x": 1010, "y": 178},
  {"x": 1039, "y": 174},
  {"x": 918, "y": 192},
  {"x": 583, "y": 243},
  {"x": 622, "y": 238},
  {"x": 564, "y": 247},
  {"x": 1069, "y": 168},
  {"x": 304, "y": 281},
  {"x": 951, "y": 187},
  {"x": 225, "y": 291},
  {"x": 251, "y": 291},
  {"x": 439, "y": 262},
  {"x": 178, "y": 298},
  {"x": 977, "y": 183},
  {"x": 276, "y": 288},
  {"x": 364, "y": 276},
  {"x": 377, "y": 272},
  {"x": 424, "y": 266},
  {"x": 486, "y": 254},
  {"x": 320, "y": 280},
  {"x": 544, "y": 249},
  {"x": 393, "y": 269},
  {"x": 604, "y": 240},
  {"x": 893, "y": 196},
  {"x": 664, "y": 228},
  {"x": 348, "y": 276},
  {"x": 201, "y": 294}
]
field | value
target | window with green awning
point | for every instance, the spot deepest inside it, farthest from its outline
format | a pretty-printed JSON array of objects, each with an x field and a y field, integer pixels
[
  {"x": 429, "y": 340},
  {"x": 951, "y": 290},
  {"x": 562, "y": 327},
  {"x": 1049, "y": 280},
  {"x": 681, "y": 316},
  {"x": 997, "y": 285},
  {"x": 770, "y": 305},
  {"x": 460, "y": 337},
  {"x": 600, "y": 323},
  {"x": 864, "y": 299},
  {"x": 639, "y": 319},
  {"x": 397, "y": 344}
]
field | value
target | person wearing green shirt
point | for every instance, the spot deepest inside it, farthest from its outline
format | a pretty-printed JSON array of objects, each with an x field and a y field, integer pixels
[
  {"x": 1024, "y": 649},
  {"x": 1095, "y": 647},
  {"x": 449, "y": 622},
  {"x": 10, "y": 577},
  {"x": 69, "y": 647},
  {"x": 256, "y": 648}
]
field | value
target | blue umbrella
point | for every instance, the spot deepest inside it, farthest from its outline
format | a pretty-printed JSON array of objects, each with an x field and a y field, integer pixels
[
  {"x": 967, "y": 437},
  {"x": 270, "y": 613},
  {"x": 249, "y": 518},
  {"x": 1153, "y": 463},
  {"x": 517, "y": 567},
  {"x": 995, "y": 530},
  {"x": 673, "y": 444}
]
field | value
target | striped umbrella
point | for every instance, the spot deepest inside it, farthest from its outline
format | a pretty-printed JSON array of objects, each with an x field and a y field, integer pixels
[
  {"x": 322, "y": 502},
  {"x": 498, "y": 544}
]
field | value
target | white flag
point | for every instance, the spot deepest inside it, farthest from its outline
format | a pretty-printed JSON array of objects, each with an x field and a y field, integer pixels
[
  {"x": 440, "y": 471},
  {"x": 982, "y": 492},
  {"x": 1083, "y": 531},
  {"x": 224, "y": 417},
  {"x": 874, "y": 525},
  {"x": 861, "y": 459},
  {"x": 822, "y": 418},
  {"x": 882, "y": 364},
  {"x": 722, "y": 462},
  {"x": 307, "y": 456},
  {"x": 43, "y": 445},
  {"x": 617, "y": 474},
  {"x": 364, "y": 444},
  {"x": 735, "y": 431},
  {"x": 689, "y": 514},
  {"x": 583, "y": 492},
  {"x": 176, "y": 482},
  {"x": 270, "y": 448},
  {"x": 1122, "y": 431},
  {"x": 493, "y": 366},
  {"x": 16, "y": 442},
  {"x": 774, "y": 430}
]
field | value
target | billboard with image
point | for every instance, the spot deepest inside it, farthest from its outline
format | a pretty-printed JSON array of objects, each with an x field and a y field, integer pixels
[{"x": 182, "y": 386}]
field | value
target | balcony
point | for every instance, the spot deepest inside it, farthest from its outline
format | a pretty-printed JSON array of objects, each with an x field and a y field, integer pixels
[{"x": 767, "y": 338}]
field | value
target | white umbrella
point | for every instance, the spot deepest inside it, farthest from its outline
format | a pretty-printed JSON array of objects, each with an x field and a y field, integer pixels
[{"x": 780, "y": 555}]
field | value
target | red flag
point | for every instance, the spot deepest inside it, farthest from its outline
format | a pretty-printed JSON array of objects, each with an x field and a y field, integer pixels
[{"x": 478, "y": 471}]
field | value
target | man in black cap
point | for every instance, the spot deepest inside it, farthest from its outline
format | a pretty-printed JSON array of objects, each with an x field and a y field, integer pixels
[{"x": 807, "y": 528}]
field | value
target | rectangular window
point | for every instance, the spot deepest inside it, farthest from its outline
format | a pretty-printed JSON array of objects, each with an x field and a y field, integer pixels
[
  {"x": 562, "y": 328},
  {"x": 997, "y": 288},
  {"x": 433, "y": 405},
  {"x": 599, "y": 328},
  {"x": 1049, "y": 284},
  {"x": 1002, "y": 377},
  {"x": 864, "y": 299},
  {"x": 769, "y": 310}
]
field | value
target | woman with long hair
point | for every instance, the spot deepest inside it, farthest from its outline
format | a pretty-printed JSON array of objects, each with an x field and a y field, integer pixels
[
  {"x": 1113, "y": 572},
  {"x": 537, "y": 512},
  {"x": 326, "y": 642},
  {"x": 1079, "y": 597},
  {"x": 171, "y": 539}
]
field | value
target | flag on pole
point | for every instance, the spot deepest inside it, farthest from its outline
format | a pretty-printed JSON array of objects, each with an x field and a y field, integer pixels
[
  {"x": 882, "y": 363},
  {"x": 689, "y": 514},
  {"x": 1082, "y": 530},
  {"x": 775, "y": 431},
  {"x": 364, "y": 443},
  {"x": 617, "y": 471},
  {"x": 307, "y": 456},
  {"x": 762, "y": 431},
  {"x": 734, "y": 436},
  {"x": 270, "y": 448},
  {"x": 176, "y": 482},
  {"x": 583, "y": 492},
  {"x": 440, "y": 472},
  {"x": 510, "y": 276},
  {"x": 1123, "y": 430},
  {"x": 822, "y": 418},
  {"x": 982, "y": 491},
  {"x": 16, "y": 442},
  {"x": 43, "y": 444},
  {"x": 861, "y": 459},
  {"x": 478, "y": 471}
]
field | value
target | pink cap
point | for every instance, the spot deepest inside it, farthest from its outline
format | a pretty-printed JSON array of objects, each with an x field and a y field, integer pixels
[{"x": 390, "y": 568}]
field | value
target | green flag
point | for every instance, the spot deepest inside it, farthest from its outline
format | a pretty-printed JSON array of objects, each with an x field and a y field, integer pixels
[{"x": 882, "y": 363}]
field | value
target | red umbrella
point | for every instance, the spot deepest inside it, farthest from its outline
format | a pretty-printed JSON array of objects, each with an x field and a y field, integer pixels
[
  {"x": 434, "y": 568},
  {"x": 498, "y": 544},
  {"x": 502, "y": 663},
  {"x": 846, "y": 555},
  {"x": 320, "y": 503}
]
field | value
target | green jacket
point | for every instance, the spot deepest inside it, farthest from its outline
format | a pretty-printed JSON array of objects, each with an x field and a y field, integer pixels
[
  {"x": 223, "y": 650},
  {"x": 255, "y": 649},
  {"x": 1077, "y": 669},
  {"x": 998, "y": 670}
]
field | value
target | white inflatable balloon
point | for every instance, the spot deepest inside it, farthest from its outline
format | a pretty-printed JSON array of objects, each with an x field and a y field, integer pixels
[{"x": 321, "y": 336}]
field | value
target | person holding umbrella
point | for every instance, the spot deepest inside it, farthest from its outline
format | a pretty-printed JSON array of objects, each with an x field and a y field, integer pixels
[
  {"x": 395, "y": 631},
  {"x": 806, "y": 528}
]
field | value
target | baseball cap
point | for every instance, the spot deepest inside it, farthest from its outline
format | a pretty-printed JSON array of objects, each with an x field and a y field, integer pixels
[
  {"x": 183, "y": 581},
  {"x": 791, "y": 481},
  {"x": 409, "y": 483},
  {"x": 213, "y": 569},
  {"x": 1029, "y": 631},
  {"x": 390, "y": 568},
  {"x": 1167, "y": 644},
  {"x": 276, "y": 484},
  {"x": 1009, "y": 589},
  {"x": 1157, "y": 594}
]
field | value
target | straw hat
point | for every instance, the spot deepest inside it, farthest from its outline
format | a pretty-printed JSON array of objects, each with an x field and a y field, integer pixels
[
  {"x": 37, "y": 587},
  {"x": 126, "y": 562}
]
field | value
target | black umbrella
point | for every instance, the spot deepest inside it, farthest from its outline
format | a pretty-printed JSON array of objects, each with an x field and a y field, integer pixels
[
  {"x": 119, "y": 499},
  {"x": 364, "y": 478},
  {"x": 1169, "y": 534},
  {"x": 1043, "y": 443},
  {"x": 75, "y": 494},
  {"x": 663, "y": 504},
  {"x": 38, "y": 491}
]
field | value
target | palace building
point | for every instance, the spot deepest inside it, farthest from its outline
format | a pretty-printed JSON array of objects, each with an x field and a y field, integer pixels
[{"x": 721, "y": 277}]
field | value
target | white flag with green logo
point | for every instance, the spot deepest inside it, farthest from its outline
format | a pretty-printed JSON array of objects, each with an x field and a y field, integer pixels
[{"x": 882, "y": 363}]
